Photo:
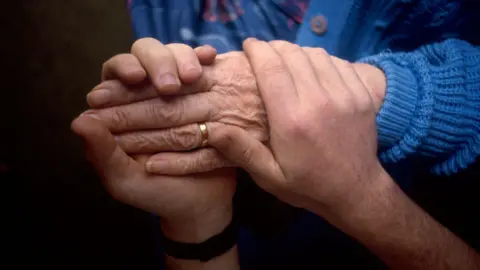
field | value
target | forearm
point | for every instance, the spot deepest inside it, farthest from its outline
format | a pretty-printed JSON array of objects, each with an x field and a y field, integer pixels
[
  {"x": 404, "y": 236},
  {"x": 198, "y": 230}
]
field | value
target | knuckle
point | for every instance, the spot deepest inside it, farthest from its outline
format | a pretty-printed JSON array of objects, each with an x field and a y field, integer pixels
[
  {"x": 139, "y": 44},
  {"x": 298, "y": 125},
  {"x": 170, "y": 115},
  {"x": 178, "y": 46},
  {"x": 189, "y": 137},
  {"x": 182, "y": 139},
  {"x": 344, "y": 64},
  {"x": 309, "y": 51},
  {"x": 158, "y": 53},
  {"x": 320, "y": 51},
  {"x": 291, "y": 49},
  {"x": 286, "y": 48},
  {"x": 278, "y": 44},
  {"x": 317, "y": 54},
  {"x": 154, "y": 112},
  {"x": 135, "y": 143},
  {"x": 119, "y": 118}
]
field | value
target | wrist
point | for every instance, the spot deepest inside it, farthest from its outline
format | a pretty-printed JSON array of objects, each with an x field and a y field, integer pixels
[
  {"x": 371, "y": 207},
  {"x": 199, "y": 228}
]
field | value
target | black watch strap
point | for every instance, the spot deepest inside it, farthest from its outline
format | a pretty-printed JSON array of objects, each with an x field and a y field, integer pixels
[{"x": 213, "y": 247}]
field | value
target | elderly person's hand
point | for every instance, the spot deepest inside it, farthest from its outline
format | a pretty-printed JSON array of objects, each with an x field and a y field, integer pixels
[{"x": 228, "y": 96}]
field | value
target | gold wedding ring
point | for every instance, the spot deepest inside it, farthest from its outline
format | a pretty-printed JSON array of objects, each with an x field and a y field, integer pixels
[{"x": 204, "y": 131}]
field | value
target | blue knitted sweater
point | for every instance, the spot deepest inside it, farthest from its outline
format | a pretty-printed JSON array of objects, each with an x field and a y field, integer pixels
[{"x": 427, "y": 49}]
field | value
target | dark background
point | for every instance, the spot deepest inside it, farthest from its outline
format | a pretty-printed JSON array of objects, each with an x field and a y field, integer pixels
[
  {"x": 61, "y": 216},
  {"x": 57, "y": 213}
]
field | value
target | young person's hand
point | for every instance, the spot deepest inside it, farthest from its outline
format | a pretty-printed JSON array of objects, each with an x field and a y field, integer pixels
[
  {"x": 322, "y": 156},
  {"x": 166, "y": 67},
  {"x": 322, "y": 152}
]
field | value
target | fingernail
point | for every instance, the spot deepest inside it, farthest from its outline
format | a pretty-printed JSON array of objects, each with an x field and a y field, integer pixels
[
  {"x": 91, "y": 113},
  {"x": 155, "y": 166},
  {"x": 168, "y": 80},
  {"x": 99, "y": 97},
  {"x": 93, "y": 116}
]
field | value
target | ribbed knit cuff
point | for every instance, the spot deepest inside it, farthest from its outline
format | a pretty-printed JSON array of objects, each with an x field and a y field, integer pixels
[
  {"x": 399, "y": 103},
  {"x": 432, "y": 105}
]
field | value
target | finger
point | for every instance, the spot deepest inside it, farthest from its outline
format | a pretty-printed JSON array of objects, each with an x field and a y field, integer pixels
[
  {"x": 275, "y": 84},
  {"x": 114, "y": 93},
  {"x": 157, "y": 113},
  {"x": 242, "y": 150},
  {"x": 188, "y": 66},
  {"x": 300, "y": 68},
  {"x": 201, "y": 160},
  {"x": 123, "y": 67},
  {"x": 108, "y": 159},
  {"x": 159, "y": 64},
  {"x": 206, "y": 54},
  {"x": 153, "y": 141},
  {"x": 326, "y": 71}
]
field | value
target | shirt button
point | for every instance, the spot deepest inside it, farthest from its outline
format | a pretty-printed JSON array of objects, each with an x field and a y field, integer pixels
[{"x": 318, "y": 24}]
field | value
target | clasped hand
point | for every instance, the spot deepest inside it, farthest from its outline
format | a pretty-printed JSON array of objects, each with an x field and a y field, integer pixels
[{"x": 300, "y": 121}]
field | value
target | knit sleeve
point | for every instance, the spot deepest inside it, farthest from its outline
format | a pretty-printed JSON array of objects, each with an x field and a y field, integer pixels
[{"x": 432, "y": 105}]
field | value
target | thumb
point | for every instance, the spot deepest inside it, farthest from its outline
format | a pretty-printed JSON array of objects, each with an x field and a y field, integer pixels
[
  {"x": 243, "y": 150},
  {"x": 206, "y": 54},
  {"x": 108, "y": 159}
]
